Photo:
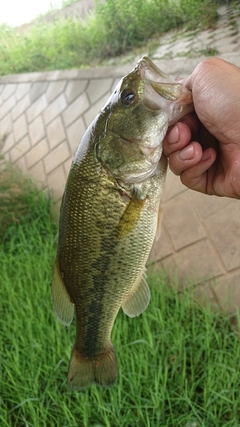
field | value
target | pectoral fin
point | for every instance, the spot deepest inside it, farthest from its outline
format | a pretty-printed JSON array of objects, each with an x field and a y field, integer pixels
[
  {"x": 131, "y": 215},
  {"x": 62, "y": 304},
  {"x": 138, "y": 299}
]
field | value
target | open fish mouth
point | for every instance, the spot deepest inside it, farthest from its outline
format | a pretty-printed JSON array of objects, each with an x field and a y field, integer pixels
[
  {"x": 161, "y": 92},
  {"x": 160, "y": 82}
]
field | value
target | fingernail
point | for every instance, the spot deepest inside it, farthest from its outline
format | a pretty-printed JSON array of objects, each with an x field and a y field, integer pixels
[
  {"x": 173, "y": 135},
  {"x": 186, "y": 153}
]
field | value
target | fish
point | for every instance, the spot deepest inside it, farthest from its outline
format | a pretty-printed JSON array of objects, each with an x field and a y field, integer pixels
[{"x": 110, "y": 215}]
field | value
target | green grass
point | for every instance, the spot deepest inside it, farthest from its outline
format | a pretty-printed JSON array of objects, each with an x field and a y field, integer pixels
[
  {"x": 115, "y": 28},
  {"x": 178, "y": 363}
]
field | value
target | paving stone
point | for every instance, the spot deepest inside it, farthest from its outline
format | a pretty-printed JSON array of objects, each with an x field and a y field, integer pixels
[
  {"x": 54, "y": 109},
  {"x": 38, "y": 89},
  {"x": 56, "y": 157},
  {"x": 173, "y": 186},
  {"x": 94, "y": 110},
  {"x": 9, "y": 90},
  {"x": 37, "y": 108},
  {"x": 75, "y": 88},
  {"x": 21, "y": 164},
  {"x": 8, "y": 144},
  {"x": 38, "y": 173},
  {"x": 75, "y": 110},
  {"x": 20, "y": 128},
  {"x": 114, "y": 84},
  {"x": 75, "y": 133},
  {"x": 36, "y": 130},
  {"x": 181, "y": 222},
  {"x": 1, "y": 89},
  {"x": 167, "y": 266},
  {"x": 7, "y": 157},
  {"x": 67, "y": 165},
  {"x": 57, "y": 180},
  {"x": 198, "y": 262},
  {"x": 97, "y": 88},
  {"x": 6, "y": 125},
  {"x": 224, "y": 231},
  {"x": 7, "y": 106},
  {"x": 37, "y": 153},
  {"x": 55, "y": 89},
  {"x": 21, "y": 107},
  {"x": 205, "y": 205},
  {"x": 22, "y": 90},
  {"x": 55, "y": 132},
  {"x": 20, "y": 149}
]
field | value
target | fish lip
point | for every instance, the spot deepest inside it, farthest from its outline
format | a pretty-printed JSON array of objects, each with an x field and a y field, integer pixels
[
  {"x": 147, "y": 150},
  {"x": 177, "y": 101},
  {"x": 137, "y": 141},
  {"x": 145, "y": 65}
]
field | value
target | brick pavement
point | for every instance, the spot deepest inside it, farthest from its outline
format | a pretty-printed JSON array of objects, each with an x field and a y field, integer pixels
[{"x": 44, "y": 115}]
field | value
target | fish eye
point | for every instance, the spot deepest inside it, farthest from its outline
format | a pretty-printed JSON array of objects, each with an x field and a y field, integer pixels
[{"x": 128, "y": 97}]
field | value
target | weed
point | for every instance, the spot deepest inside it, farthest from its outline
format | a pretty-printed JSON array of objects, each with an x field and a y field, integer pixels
[
  {"x": 115, "y": 27},
  {"x": 178, "y": 362}
]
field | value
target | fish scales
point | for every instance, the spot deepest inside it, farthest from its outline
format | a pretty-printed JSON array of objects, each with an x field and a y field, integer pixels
[
  {"x": 108, "y": 220},
  {"x": 102, "y": 259}
]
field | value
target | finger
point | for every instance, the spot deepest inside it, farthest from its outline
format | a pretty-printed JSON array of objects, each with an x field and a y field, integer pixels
[
  {"x": 196, "y": 177},
  {"x": 183, "y": 159},
  {"x": 192, "y": 121},
  {"x": 177, "y": 137}
]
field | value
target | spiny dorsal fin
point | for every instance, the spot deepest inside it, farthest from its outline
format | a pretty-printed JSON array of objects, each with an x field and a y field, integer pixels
[
  {"x": 62, "y": 304},
  {"x": 138, "y": 299}
]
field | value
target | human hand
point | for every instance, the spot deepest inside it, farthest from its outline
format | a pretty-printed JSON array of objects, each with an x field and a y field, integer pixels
[{"x": 204, "y": 147}]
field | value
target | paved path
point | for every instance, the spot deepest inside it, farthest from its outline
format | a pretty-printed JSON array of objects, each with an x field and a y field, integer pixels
[
  {"x": 42, "y": 118},
  {"x": 201, "y": 234},
  {"x": 180, "y": 51}
]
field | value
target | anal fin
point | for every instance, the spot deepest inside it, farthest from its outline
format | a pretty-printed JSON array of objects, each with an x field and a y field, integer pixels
[
  {"x": 62, "y": 304},
  {"x": 138, "y": 299}
]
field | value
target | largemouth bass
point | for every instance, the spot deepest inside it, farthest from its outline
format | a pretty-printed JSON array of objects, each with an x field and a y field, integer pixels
[{"x": 110, "y": 215}]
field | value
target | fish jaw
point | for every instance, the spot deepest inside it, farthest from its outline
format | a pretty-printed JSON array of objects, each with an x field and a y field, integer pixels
[
  {"x": 130, "y": 146},
  {"x": 162, "y": 92},
  {"x": 107, "y": 226}
]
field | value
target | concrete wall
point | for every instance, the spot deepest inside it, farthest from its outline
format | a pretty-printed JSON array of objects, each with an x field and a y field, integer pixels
[{"x": 42, "y": 119}]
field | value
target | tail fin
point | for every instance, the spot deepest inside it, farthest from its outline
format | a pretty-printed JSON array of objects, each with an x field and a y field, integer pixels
[{"x": 84, "y": 371}]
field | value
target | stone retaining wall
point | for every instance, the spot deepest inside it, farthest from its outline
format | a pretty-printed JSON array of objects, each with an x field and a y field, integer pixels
[{"x": 42, "y": 119}]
